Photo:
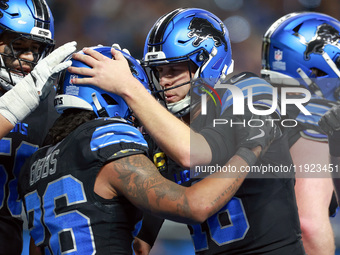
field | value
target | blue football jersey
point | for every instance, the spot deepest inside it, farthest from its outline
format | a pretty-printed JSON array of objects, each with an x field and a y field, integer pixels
[{"x": 57, "y": 183}]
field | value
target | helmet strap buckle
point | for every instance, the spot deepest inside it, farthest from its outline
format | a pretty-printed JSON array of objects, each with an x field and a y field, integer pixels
[
  {"x": 100, "y": 110},
  {"x": 311, "y": 85}
]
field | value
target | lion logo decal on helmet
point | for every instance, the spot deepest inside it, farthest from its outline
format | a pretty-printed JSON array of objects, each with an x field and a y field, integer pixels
[
  {"x": 203, "y": 29},
  {"x": 325, "y": 34}
]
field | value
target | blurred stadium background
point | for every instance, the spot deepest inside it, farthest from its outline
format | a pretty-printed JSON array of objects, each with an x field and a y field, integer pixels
[{"x": 127, "y": 22}]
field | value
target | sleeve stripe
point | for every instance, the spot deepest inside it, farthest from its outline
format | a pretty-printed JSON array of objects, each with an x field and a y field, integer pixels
[
  {"x": 260, "y": 87},
  {"x": 115, "y": 133}
]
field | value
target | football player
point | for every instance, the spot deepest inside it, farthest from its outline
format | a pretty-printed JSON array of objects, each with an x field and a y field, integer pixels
[
  {"x": 26, "y": 38},
  {"x": 302, "y": 50},
  {"x": 190, "y": 49},
  {"x": 83, "y": 192}
]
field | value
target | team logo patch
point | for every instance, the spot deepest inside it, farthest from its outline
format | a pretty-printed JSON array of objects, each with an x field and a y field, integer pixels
[
  {"x": 71, "y": 89},
  {"x": 202, "y": 29},
  {"x": 278, "y": 64},
  {"x": 72, "y": 76},
  {"x": 325, "y": 34},
  {"x": 278, "y": 55}
]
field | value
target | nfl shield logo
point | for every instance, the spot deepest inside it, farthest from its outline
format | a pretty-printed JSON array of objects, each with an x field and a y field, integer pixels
[
  {"x": 278, "y": 55},
  {"x": 72, "y": 76}
]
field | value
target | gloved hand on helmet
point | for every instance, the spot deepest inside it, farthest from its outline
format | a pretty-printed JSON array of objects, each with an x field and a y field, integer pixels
[{"x": 21, "y": 100}]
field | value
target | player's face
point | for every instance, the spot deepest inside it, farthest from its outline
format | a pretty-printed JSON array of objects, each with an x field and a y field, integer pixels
[
  {"x": 13, "y": 48},
  {"x": 172, "y": 75}
]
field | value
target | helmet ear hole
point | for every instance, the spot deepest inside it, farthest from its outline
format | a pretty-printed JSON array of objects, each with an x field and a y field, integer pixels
[
  {"x": 109, "y": 100},
  {"x": 316, "y": 72}
]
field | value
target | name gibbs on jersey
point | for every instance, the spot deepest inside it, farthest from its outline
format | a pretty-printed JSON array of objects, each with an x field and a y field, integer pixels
[{"x": 43, "y": 167}]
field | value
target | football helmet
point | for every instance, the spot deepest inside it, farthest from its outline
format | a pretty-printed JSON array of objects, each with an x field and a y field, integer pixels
[
  {"x": 303, "y": 48},
  {"x": 20, "y": 20},
  {"x": 189, "y": 35},
  {"x": 89, "y": 97}
]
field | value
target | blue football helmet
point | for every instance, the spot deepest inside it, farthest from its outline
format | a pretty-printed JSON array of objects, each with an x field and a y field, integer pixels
[
  {"x": 92, "y": 98},
  {"x": 23, "y": 20},
  {"x": 303, "y": 48},
  {"x": 192, "y": 35}
]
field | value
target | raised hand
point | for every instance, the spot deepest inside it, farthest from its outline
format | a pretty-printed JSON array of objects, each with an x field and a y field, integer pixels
[
  {"x": 21, "y": 100},
  {"x": 46, "y": 71},
  {"x": 112, "y": 75}
]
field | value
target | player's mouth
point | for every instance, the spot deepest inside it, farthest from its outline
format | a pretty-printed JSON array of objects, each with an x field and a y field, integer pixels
[
  {"x": 170, "y": 98},
  {"x": 22, "y": 71}
]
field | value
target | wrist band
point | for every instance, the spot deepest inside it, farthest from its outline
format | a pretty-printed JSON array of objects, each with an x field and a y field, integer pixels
[{"x": 247, "y": 155}]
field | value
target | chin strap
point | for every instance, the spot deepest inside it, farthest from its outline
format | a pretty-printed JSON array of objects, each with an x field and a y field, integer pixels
[
  {"x": 181, "y": 107},
  {"x": 311, "y": 84}
]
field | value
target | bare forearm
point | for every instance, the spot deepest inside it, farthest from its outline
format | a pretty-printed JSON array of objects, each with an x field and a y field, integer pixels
[
  {"x": 198, "y": 202},
  {"x": 178, "y": 141},
  {"x": 141, "y": 183}
]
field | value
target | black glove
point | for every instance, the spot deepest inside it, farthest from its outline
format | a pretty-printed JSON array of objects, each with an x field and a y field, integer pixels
[
  {"x": 249, "y": 137},
  {"x": 330, "y": 123}
]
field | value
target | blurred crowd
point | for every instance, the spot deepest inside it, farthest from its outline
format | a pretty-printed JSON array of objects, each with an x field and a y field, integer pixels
[{"x": 127, "y": 22}]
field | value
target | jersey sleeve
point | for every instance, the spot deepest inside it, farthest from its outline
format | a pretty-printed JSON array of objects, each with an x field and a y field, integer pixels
[
  {"x": 257, "y": 93},
  {"x": 117, "y": 140}
]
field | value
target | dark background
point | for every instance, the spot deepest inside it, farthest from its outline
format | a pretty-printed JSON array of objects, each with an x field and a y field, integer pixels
[{"x": 127, "y": 22}]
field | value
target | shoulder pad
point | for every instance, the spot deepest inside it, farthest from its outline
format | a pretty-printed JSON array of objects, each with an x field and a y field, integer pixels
[
  {"x": 262, "y": 91},
  {"x": 115, "y": 133},
  {"x": 314, "y": 135}
]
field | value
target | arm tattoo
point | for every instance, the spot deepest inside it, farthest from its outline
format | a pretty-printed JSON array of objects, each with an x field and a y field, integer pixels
[
  {"x": 139, "y": 177},
  {"x": 230, "y": 191}
]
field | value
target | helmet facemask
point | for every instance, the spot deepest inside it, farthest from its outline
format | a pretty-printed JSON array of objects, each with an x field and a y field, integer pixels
[
  {"x": 181, "y": 107},
  {"x": 193, "y": 35},
  {"x": 25, "y": 27},
  {"x": 15, "y": 45}
]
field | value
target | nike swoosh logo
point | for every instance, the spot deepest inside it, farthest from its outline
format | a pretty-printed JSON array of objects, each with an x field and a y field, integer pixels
[
  {"x": 234, "y": 80},
  {"x": 257, "y": 136}
]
